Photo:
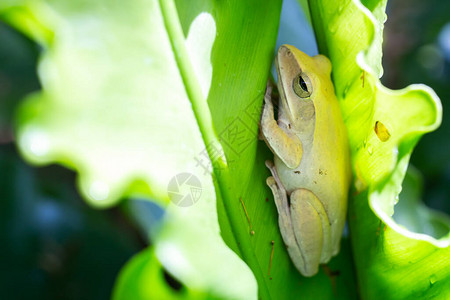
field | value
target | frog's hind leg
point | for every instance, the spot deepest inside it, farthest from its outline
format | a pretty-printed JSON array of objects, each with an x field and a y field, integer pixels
[
  {"x": 284, "y": 218},
  {"x": 311, "y": 228}
]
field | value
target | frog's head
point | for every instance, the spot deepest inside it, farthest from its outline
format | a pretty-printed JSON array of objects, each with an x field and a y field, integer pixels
[{"x": 299, "y": 84}]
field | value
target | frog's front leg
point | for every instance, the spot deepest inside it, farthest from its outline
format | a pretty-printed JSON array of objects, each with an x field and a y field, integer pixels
[
  {"x": 311, "y": 227},
  {"x": 287, "y": 147},
  {"x": 284, "y": 217}
]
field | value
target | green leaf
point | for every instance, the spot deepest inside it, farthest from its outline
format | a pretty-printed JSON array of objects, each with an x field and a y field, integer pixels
[
  {"x": 384, "y": 126},
  {"x": 116, "y": 107},
  {"x": 412, "y": 214},
  {"x": 144, "y": 278}
]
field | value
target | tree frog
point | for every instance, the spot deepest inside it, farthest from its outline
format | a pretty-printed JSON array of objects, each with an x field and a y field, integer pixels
[{"x": 311, "y": 171}]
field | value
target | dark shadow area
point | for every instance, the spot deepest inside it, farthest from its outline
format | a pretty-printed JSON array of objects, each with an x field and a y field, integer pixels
[
  {"x": 416, "y": 49},
  {"x": 53, "y": 245}
]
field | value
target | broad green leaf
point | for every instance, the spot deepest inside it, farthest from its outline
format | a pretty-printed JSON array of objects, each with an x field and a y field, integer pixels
[
  {"x": 116, "y": 107},
  {"x": 384, "y": 126}
]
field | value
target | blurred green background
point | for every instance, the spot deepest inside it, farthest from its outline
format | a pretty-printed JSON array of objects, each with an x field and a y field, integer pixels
[{"x": 53, "y": 246}]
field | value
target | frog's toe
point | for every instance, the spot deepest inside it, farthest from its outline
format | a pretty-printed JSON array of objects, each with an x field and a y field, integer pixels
[
  {"x": 268, "y": 88},
  {"x": 270, "y": 181},
  {"x": 269, "y": 164}
]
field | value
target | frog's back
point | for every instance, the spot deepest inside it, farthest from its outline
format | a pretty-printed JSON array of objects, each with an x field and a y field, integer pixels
[{"x": 330, "y": 164}]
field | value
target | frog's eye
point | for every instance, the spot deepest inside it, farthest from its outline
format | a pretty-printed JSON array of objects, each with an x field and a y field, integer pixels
[{"x": 302, "y": 85}]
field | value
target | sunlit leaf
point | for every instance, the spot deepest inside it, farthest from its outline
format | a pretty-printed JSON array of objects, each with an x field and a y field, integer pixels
[{"x": 384, "y": 126}]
